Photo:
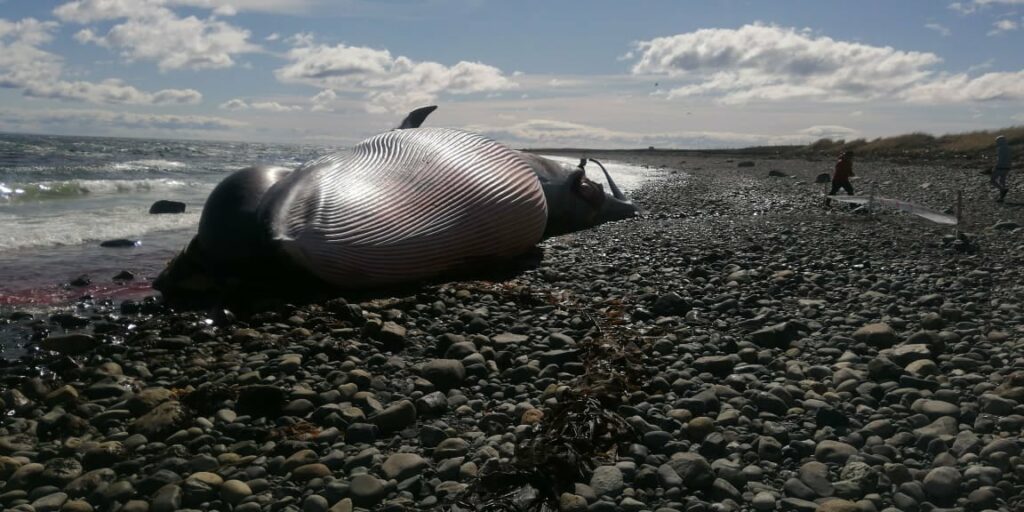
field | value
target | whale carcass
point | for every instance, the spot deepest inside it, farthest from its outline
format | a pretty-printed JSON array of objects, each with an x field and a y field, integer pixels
[{"x": 405, "y": 205}]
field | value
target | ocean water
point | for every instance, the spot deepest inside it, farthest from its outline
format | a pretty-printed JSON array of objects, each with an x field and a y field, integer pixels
[{"x": 61, "y": 196}]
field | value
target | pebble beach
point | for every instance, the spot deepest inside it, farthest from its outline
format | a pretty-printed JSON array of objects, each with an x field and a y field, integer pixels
[{"x": 738, "y": 347}]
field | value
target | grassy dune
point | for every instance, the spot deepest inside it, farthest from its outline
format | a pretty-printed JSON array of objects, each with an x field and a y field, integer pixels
[{"x": 970, "y": 145}]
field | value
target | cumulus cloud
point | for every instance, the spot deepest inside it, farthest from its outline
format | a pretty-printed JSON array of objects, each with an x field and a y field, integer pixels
[
  {"x": 84, "y": 118},
  {"x": 272, "y": 106},
  {"x": 22, "y": 62},
  {"x": 148, "y": 30},
  {"x": 324, "y": 101},
  {"x": 388, "y": 83},
  {"x": 549, "y": 133},
  {"x": 37, "y": 72},
  {"x": 769, "y": 63}
]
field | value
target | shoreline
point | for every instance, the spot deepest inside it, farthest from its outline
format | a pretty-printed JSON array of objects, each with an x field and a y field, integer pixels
[{"x": 742, "y": 346}]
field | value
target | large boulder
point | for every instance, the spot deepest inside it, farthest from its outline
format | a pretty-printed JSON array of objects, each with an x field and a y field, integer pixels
[
  {"x": 165, "y": 206},
  {"x": 120, "y": 242}
]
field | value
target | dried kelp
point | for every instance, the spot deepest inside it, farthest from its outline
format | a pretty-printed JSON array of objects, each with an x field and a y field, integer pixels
[{"x": 580, "y": 432}]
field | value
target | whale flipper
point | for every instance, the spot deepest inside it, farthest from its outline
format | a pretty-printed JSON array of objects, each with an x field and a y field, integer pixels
[{"x": 416, "y": 117}]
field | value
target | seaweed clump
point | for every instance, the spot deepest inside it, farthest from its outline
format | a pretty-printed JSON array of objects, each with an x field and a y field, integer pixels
[{"x": 575, "y": 435}]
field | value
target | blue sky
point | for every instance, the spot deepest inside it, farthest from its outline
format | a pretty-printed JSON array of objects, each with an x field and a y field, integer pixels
[{"x": 531, "y": 73}]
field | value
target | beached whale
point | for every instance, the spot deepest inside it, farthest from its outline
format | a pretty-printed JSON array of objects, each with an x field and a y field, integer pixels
[{"x": 405, "y": 205}]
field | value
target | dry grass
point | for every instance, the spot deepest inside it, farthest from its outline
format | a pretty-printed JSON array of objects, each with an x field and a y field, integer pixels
[
  {"x": 899, "y": 143},
  {"x": 977, "y": 143}
]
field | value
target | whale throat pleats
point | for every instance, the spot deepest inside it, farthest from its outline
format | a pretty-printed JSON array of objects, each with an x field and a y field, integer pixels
[{"x": 407, "y": 204}]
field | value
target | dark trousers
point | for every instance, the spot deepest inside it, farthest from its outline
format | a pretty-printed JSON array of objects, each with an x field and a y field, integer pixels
[{"x": 843, "y": 184}]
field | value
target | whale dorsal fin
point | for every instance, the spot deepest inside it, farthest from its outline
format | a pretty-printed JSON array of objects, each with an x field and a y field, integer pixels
[{"x": 416, "y": 117}]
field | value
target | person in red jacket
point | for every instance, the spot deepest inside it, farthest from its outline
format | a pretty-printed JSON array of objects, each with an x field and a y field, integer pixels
[{"x": 841, "y": 176}]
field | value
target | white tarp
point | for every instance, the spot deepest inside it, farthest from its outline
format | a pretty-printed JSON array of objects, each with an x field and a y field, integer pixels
[{"x": 903, "y": 206}]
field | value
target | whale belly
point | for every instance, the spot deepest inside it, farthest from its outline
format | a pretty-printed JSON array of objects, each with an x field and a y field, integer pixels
[{"x": 406, "y": 205}]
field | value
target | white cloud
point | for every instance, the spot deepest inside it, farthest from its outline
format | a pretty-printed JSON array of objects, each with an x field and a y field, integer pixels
[
  {"x": 84, "y": 118},
  {"x": 324, "y": 101},
  {"x": 982, "y": 66},
  {"x": 272, "y": 37},
  {"x": 148, "y": 30},
  {"x": 89, "y": 11},
  {"x": 272, "y": 6},
  {"x": 773, "y": 63},
  {"x": 830, "y": 131},
  {"x": 941, "y": 29},
  {"x": 1004, "y": 25},
  {"x": 995, "y": 2},
  {"x": 768, "y": 63},
  {"x": 22, "y": 62},
  {"x": 389, "y": 84},
  {"x": 972, "y": 6},
  {"x": 272, "y": 106},
  {"x": 112, "y": 91},
  {"x": 963, "y": 7},
  {"x": 549, "y": 133},
  {"x": 37, "y": 73},
  {"x": 300, "y": 39},
  {"x": 961, "y": 88}
]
